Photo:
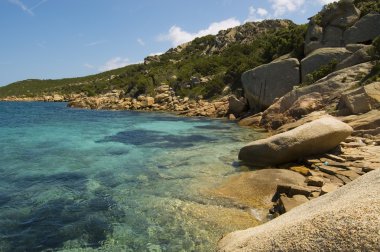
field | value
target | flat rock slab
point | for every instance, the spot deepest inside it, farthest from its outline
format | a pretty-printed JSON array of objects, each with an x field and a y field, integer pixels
[
  {"x": 301, "y": 169},
  {"x": 315, "y": 181},
  {"x": 327, "y": 188},
  {"x": 254, "y": 188},
  {"x": 290, "y": 203},
  {"x": 329, "y": 169},
  {"x": 312, "y": 138}
]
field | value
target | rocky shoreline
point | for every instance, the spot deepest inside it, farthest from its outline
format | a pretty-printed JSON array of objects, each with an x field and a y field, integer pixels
[
  {"x": 321, "y": 174},
  {"x": 325, "y": 132}
]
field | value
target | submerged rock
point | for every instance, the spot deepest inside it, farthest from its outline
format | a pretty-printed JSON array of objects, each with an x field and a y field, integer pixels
[
  {"x": 254, "y": 189},
  {"x": 311, "y": 138}
]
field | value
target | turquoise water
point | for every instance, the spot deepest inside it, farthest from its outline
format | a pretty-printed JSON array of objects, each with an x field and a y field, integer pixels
[{"x": 77, "y": 180}]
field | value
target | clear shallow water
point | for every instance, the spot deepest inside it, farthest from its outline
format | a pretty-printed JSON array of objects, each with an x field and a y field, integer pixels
[{"x": 78, "y": 180}]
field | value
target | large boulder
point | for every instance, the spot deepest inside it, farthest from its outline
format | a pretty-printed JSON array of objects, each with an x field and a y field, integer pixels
[
  {"x": 327, "y": 28},
  {"x": 362, "y": 55},
  {"x": 363, "y": 99},
  {"x": 330, "y": 88},
  {"x": 344, "y": 220},
  {"x": 265, "y": 83},
  {"x": 311, "y": 138},
  {"x": 306, "y": 119},
  {"x": 313, "y": 38},
  {"x": 236, "y": 106},
  {"x": 366, "y": 29},
  {"x": 332, "y": 37},
  {"x": 342, "y": 14},
  {"x": 321, "y": 57},
  {"x": 253, "y": 120},
  {"x": 367, "y": 121},
  {"x": 304, "y": 105}
]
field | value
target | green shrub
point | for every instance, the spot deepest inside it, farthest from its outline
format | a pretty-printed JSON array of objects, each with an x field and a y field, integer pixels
[
  {"x": 372, "y": 76},
  {"x": 376, "y": 44},
  {"x": 176, "y": 68},
  {"x": 367, "y": 6},
  {"x": 321, "y": 72}
]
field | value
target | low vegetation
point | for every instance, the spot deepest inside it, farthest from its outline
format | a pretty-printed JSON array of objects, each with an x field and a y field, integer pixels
[
  {"x": 180, "y": 69},
  {"x": 365, "y": 7},
  {"x": 374, "y": 74},
  {"x": 320, "y": 72}
]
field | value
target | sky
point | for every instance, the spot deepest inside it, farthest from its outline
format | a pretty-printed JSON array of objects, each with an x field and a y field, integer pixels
[{"x": 50, "y": 39}]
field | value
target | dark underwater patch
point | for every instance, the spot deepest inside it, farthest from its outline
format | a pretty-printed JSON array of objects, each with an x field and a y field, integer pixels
[
  {"x": 108, "y": 179},
  {"x": 4, "y": 198},
  {"x": 118, "y": 152},
  {"x": 51, "y": 224},
  {"x": 104, "y": 203},
  {"x": 156, "y": 139},
  {"x": 213, "y": 127},
  {"x": 73, "y": 180}
]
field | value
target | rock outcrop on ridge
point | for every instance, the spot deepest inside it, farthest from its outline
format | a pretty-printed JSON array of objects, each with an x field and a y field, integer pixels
[{"x": 339, "y": 24}]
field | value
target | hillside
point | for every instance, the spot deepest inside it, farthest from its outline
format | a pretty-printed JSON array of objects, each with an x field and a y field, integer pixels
[
  {"x": 215, "y": 61},
  {"x": 208, "y": 65}
]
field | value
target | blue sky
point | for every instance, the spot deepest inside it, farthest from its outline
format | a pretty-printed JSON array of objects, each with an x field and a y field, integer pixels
[{"x": 48, "y": 39}]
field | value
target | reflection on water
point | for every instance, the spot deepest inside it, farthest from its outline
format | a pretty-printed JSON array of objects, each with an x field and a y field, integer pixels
[{"x": 114, "y": 181}]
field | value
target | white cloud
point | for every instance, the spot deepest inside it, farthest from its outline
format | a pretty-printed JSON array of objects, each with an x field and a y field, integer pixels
[
  {"x": 38, "y": 4},
  {"x": 89, "y": 66},
  {"x": 326, "y": 1},
  {"x": 281, "y": 7},
  {"x": 262, "y": 12},
  {"x": 257, "y": 14},
  {"x": 156, "y": 54},
  {"x": 214, "y": 28},
  {"x": 114, "y": 63},
  {"x": 141, "y": 42},
  {"x": 23, "y": 7},
  {"x": 179, "y": 36}
]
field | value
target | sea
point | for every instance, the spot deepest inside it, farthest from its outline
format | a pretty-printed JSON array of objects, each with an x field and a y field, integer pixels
[{"x": 86, "y": 180}]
